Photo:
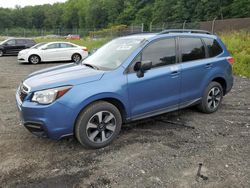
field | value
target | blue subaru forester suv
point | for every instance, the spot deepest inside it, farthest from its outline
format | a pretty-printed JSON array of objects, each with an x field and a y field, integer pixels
[{"x": 127, "y": 79}]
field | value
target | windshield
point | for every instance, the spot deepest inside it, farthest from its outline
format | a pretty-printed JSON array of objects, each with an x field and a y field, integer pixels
[
  {"x": 114, "y": 53},
  {"x": 38, "y": 45},
  {"x": 2, "y": 42}
]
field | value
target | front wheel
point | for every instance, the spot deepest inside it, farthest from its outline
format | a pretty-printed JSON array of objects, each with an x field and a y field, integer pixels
[
  {"x": 1, "y": 53},
  {"x": 212, "y": 98},
  {"x": 98, "y": 125},
  {"x": 34, "y": 59}
]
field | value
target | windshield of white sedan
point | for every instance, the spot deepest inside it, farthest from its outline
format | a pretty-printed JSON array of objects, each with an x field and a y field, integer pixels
[{"x": 114, "y": 53}]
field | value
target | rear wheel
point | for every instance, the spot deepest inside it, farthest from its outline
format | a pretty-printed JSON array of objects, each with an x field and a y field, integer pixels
[
  {"x": 76, "y": 57},
  {"x": 98, "y": 125},
  {"x": 34, "y": 59},
  {"x": 212, "y": 98},
  {"x": 1, "y": 53}
]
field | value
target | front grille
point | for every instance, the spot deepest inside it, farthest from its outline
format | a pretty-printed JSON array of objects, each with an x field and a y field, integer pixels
[
  {"x": 23, "y": 92},
  {"x": 22, "y": 95}
]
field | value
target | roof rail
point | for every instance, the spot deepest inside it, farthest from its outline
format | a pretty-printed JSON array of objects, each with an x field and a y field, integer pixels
[{"x": 185, "y": 31}]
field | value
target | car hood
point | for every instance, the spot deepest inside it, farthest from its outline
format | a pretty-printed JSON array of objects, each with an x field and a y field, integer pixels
[
  {"x": 29, "y": 50},
  {"x": 69, "y": 74}
]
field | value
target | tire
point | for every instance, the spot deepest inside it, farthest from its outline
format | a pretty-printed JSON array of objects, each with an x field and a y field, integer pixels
[
  {"x": 76, "y": 57},
  {"x": 1, "y": 53},
  {"x": 212, "y": 98},
  {"x": 98, "y": 125},
  {"x": 34, "y": 59}
]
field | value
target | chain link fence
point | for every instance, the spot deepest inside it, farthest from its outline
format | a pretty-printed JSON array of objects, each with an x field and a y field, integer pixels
[{"x": 214, "y": 26}]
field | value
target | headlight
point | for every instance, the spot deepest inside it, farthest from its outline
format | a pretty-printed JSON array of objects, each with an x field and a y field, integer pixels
[{"x": 50, "y": 95}]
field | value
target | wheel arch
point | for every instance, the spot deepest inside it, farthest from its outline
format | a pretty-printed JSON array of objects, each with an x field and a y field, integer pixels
[
  {"x": 35, "y": 55},
  {"x": 222, "y": 82},
  {"x": 3, "y": 50},
  {"x": 112, "y": 100}
]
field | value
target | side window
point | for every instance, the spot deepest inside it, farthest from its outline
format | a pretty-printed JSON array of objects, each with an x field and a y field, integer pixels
[
  {"x": 65, "y": 45},
  {"x": 52, "y": 46},
  {"x": 20, "y": 41},
  {"x": 161, "y": 53},
  {"x": 192, "y": 49},
  {"x": 213, "y": 47},
  {"x": 28, "y": 41},
  {"x": 11, "y": 42}
]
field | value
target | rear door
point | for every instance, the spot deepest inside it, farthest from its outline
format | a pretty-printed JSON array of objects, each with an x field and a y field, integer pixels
[
  {"x": 159, "y": 89},
  {"x": 194, "y": 67},
  {"x": 67, "y": 51},
  {"x": 20, "y": 44}
]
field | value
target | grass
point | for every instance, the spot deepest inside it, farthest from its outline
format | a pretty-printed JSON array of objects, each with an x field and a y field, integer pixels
[
  {"x": 89, "y": 43},
  {"x": 238, "y": 43}
]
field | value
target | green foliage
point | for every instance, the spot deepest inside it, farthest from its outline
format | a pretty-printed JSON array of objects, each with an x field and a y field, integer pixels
[
  {"x": 90, "y": 14},
  {"x": 238, "y": 43},
  {"x": 114, "y": 31}
]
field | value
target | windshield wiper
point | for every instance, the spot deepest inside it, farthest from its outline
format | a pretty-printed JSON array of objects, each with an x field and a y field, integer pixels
[{"x": 91, "y": 66}]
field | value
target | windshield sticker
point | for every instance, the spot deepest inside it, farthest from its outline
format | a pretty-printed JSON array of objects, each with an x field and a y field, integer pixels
[{"x": 124, "y": 47}]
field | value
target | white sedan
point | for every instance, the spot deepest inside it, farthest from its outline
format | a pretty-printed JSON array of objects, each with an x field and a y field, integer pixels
[{"x": 53, "y": 51}]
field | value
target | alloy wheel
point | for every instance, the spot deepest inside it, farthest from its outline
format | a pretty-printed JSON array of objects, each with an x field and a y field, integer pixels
[
  {"x": 76, "y": 58},
  {"x": 101, "y": 126},
  {"x": 1, "y": 53},
  {"x": 214, "y": 98},
  {"x": 34, "y": 59}
]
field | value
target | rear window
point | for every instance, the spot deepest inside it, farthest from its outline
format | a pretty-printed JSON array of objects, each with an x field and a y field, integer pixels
[
  {"x": 192, "y": 49},
  {"x": 213, "y": 47}
]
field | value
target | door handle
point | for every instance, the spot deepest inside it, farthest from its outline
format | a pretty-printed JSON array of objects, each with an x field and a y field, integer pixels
[
  {"x": 175, "y": 73},
  {"x": 208, "y": 66}
]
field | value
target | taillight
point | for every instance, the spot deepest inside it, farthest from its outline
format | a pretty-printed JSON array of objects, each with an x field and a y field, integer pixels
[
  {"x": 85, "y": 49},
  {"x": 230, "y": 60}
]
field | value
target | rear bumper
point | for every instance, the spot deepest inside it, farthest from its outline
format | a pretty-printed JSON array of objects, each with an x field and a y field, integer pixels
[{"x": 229, "y": 84}]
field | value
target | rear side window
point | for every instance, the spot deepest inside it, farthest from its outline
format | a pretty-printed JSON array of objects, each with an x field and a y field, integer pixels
[
  {"x": 21, "y": 41},
  {"x": 192, "y": 49},
  {"x": 213, "y": 47},
  {"x": 30, "y": 41},
  {"x": 65, "y": 45},
  {"x": 161, "y": 53}
]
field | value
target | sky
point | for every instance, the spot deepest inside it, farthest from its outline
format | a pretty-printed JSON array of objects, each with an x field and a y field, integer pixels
[{"x": 23, "y": 3}]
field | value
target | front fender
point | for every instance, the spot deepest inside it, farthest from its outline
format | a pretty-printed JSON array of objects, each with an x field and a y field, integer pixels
[{"x": 103, "y": 96}]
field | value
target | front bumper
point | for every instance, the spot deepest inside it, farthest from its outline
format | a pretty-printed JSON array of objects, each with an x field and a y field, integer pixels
[
  {"x": 21, "y": 58},
  {"x": 53, "y": 121}
]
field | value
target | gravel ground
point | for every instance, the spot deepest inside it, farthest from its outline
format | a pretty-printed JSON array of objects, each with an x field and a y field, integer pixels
[{"x": 163, "y": 151}]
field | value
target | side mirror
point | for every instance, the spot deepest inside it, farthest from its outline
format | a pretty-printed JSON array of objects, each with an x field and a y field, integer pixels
[{"x": 141, "y": 67}]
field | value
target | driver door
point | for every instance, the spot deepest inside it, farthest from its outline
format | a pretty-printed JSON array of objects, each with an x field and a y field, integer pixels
[
  {"x": 10, "y": 47},
  {"x": 159, "y": 90}
]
